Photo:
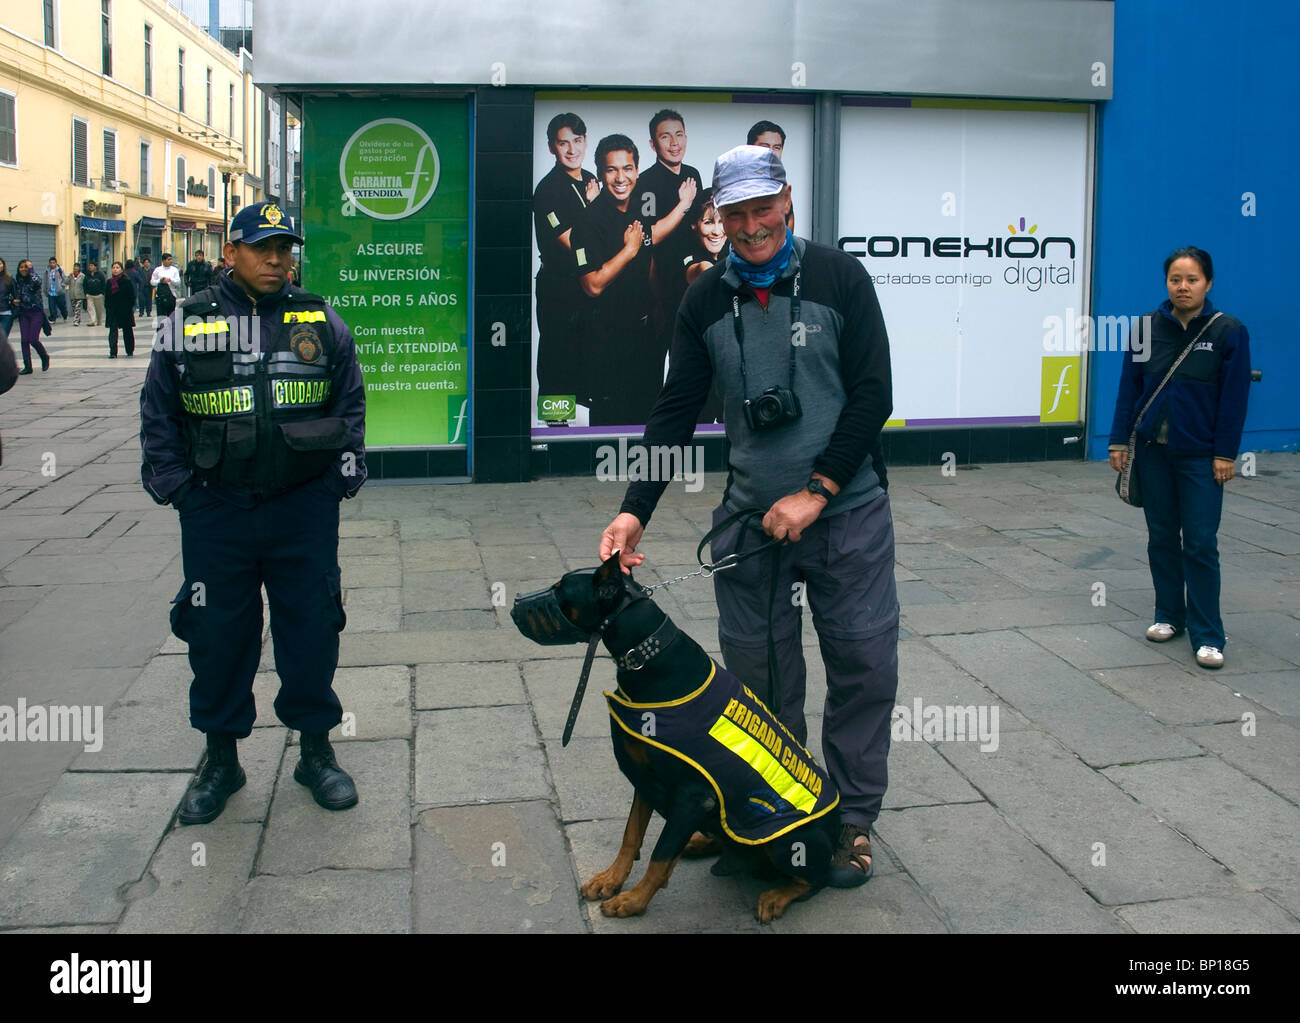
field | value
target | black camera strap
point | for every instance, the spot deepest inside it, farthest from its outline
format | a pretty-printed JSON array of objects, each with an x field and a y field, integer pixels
[{"x": 739, "y": 327}]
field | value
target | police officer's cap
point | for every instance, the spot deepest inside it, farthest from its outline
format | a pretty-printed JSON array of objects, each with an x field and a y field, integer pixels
[{"x": 262, "y": 220}]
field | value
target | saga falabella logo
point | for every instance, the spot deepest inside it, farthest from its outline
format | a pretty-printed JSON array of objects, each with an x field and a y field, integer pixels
[{"x": 389, "y": 169}]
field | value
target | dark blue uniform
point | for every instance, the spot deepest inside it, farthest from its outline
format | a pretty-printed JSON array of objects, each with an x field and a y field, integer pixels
[{"x": 255, "y": 450}]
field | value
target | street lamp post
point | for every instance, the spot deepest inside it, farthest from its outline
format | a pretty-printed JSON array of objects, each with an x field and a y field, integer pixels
[{"x": 227, "y": 170}]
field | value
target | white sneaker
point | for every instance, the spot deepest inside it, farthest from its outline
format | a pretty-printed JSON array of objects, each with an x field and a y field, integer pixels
[
  {"x": 1209, "y": 657},
  {"x": 1161, "y": 632}
]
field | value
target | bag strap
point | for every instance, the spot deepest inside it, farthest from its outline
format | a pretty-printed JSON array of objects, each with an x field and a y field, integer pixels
[{"x": 1177, "y": 363}]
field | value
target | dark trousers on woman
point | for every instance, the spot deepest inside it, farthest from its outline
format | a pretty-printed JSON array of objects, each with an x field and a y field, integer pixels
[
  {"x": 29, "y": 323},
  {"x": 1183, "y": 505},
  {"x": 128, "y": 340}
]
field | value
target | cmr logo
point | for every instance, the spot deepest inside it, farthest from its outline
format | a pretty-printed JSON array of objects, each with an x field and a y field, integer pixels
[
  {"x": 556, "y": 407},
  {"x": 1059, "y": 389}
]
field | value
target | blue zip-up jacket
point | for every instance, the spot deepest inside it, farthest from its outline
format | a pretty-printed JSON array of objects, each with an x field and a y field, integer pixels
[
  {"x": 164, "y": 471},
  {"x": 1204, "y": 401}
]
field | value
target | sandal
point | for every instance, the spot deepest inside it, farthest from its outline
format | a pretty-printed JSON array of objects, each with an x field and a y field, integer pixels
[{"x": 852, "y": 863}]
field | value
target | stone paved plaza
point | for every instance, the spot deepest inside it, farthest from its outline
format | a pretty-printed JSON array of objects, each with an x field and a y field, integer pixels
[{"x": 1129, "y": 791}]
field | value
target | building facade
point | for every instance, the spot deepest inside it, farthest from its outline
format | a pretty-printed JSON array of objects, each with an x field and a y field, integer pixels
[{"x": 125, "y": 131}]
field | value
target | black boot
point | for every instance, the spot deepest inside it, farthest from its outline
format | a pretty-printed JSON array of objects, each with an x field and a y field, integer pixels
[
  {"x": 220, "y": 778},
  {"x": 330, "y": 785}
]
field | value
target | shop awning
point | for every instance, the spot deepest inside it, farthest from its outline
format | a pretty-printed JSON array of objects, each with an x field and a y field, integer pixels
[
  {"x": 184, "y": 225},
  {"x": 216, "y": 229},
  {"x": 107, "y": 226},
  {"x": 150, "y": 224}
]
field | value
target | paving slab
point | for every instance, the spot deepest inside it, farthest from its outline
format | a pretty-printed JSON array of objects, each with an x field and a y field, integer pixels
[
  {"x": 92, "y": 834},
  {"x": 440, "y": 555},
  {"x": 1175, "y": 694},
  {"x": 502, "y": 868},
  {"x": 1252, "y": 831},
  {"x": 1241, "y": 656},
  {"x": 1279, "y": 691},
  {"x": 148, "y": 729},
  {"x": 1263, "y": 746},
  {"x": 478, "y": 755},
  {"x": 551, "y": 686},
  {"x": 194, "y": 884},
  {"x": 982, "y": 876},
  {"x": 1116, "y": 849},
  {"x": 379, "y": 700},
  {"x": 373, "y": 608},
  {"x": 588, "y": 783},
  {"x": 375, "y": 834},
  {"x": 1240, "y": 913},
  {"x": 329, "y": 902},
  {"x": 1089, "y": 718},
  {"x": 981, "y": 615},
  {"x": 1094, "y": 646},
  {"x": 468, "y": 684}
]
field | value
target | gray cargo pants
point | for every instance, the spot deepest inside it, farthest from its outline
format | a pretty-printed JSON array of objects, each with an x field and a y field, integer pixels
[{"x": 846, "y": 563}]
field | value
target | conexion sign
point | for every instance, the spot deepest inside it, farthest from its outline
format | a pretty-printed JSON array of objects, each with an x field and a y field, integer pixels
[{"x": 971, "y": 222}]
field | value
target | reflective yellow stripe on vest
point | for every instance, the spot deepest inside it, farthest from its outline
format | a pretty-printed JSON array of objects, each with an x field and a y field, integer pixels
[
  {"x": 755, "y": 754},
  {"x": 207, "y": 327},
  {"x": 307, "y": 316}
]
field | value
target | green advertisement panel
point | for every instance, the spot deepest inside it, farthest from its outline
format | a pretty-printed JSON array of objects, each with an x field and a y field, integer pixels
[{"x": 386, "y": 215}]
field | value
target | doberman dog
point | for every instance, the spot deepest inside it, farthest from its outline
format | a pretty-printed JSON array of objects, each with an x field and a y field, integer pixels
[{"x": 697, "y": 745}]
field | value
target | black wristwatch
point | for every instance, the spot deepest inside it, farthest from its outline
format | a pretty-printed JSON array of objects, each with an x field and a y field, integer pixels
[{"x": 816, "y": 486}]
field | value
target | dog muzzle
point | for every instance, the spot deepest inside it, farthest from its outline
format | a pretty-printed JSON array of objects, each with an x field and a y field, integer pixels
[{"x": 538, "y": 617}]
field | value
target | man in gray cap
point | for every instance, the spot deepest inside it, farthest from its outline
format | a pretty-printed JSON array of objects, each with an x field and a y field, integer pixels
[{"x": 791, "y": 334}]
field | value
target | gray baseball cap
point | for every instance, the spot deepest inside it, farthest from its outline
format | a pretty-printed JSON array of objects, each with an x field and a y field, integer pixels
[{"x": 746, "y": 172}]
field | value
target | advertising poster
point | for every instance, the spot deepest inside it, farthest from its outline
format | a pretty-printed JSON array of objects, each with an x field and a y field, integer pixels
[
  {"x": 619, "y": 234},
  {"x": 386, "y": 217},
  {"x": 972, "y": 224}
]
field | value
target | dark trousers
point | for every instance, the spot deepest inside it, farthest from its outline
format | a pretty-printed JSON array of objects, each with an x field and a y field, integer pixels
[
  {"x": 58, "y": 304},
  {"x": 288, "y": 544},
  {"x": 29, "y": 325},
  {"x": 128, "y": 340},
  {"x": 144, "y": 299},
  {"x": 1183, "y": 505},
  {"x": 845, "y": 565}
]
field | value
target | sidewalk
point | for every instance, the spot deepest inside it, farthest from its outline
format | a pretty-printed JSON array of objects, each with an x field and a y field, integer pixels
[{"x": 1129, "y": 790}]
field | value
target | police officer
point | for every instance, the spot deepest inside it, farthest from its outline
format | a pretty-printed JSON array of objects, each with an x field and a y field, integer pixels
[{"x": 253, "y": 428}]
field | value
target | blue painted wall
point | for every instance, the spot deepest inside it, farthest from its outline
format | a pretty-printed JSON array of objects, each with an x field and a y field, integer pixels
[{"x": 1205, "y": 109}]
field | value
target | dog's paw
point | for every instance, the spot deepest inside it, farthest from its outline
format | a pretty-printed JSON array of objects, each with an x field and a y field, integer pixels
[
  {"x": 773, "y": 902},
  {"x": 624, "y": 904},
  {"x": 603, "y": 885}
]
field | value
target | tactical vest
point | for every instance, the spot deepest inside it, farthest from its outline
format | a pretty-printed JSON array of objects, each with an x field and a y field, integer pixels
[
  {"x": 253, "y": 420},
  {"x": 767, "y": 783}
]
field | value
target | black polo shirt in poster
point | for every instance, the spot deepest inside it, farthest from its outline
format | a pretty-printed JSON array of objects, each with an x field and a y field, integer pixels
[
  {"x": 558, "y": 202},
  {"x": 626, "y": 358},
  {"x": 664, "y": 185},
  {"x": 562, "y": 309}
]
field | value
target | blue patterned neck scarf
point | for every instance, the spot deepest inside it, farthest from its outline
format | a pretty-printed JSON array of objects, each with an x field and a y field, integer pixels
[{"x": 764, "y": 274}]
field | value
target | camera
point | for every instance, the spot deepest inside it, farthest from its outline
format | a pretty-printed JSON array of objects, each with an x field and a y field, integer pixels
[{"x": 774, "y": 407}]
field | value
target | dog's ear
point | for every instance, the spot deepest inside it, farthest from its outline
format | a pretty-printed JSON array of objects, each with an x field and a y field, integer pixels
[{"x": 609, "y": 570}]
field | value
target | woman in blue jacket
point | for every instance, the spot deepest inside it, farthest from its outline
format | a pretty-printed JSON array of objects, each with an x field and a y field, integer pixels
[{"x": 1187, "y": 444}]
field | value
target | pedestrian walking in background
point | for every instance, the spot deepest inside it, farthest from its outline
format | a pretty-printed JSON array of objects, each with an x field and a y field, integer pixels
[
  {"x": 6, "y": 300},
  {"x": 57, "y": 290},
  {"x": 119, "y": 300},
  {"x": 30, "y": 312},
  {"x": 1187, "y": 402},
  {"x": 96, "y": 285},
  {"x": 77, "y": 293},
  {"x": 143, "y": 289},
  {"x": 166, "y": 282}
]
